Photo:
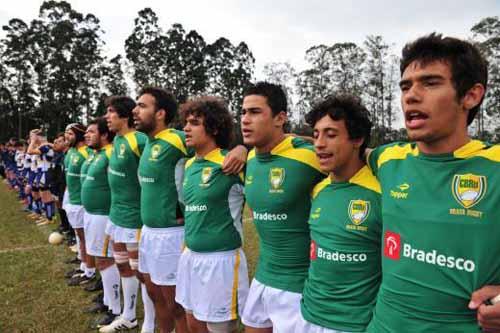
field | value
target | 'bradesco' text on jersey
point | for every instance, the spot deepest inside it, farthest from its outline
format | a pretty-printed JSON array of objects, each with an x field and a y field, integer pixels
[
  {"x": 277, "y": 188},
  {"x": 96, "y": 195},
  {"x": 214, "y": 203},
  {"x": 123, "y": 182},
  {"x": 440, "y": 235},
  {"x": 161, "y": 169},
  {"x": 345, "y": 272},
  {"x": 74, "y": 160}
]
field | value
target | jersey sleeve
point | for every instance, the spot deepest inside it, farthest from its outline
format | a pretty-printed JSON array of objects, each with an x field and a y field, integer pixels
[{"x": 373, "y": 157}]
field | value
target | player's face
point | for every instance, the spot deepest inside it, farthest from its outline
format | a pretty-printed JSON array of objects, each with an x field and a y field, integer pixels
[
  {"x": 59, "y": 144},
  {"x": 258, "y": 125},
  {"x": 429, "y": 101},
  {"x": 196, "y": 135},
  {"x": 335, "y": 150},
  {"x": 70, "y": 138},
  {"x": 145, "y": 114},
  {"x": 115, "y": 123},
  {"x": 92, "y": 136}
]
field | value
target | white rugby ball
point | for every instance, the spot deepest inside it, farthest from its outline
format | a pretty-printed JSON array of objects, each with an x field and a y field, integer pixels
[{"x": 55, "y": 238}]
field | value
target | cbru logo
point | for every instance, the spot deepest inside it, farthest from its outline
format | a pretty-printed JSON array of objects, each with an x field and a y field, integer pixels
[
  {"x": 392, "y": 245},
  {"x": 468, "y": 189}
]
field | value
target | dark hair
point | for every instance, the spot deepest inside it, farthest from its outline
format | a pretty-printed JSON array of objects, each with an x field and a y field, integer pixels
[
  {"x": 123, "y": 106},
  {"x": 348, "y": 108},
  {"x": 276, "y": 97},
  {"x": 58, "y": 135},
  {"x": 467, "y": 65},
  {"x": 163, "y": 100},
  {"x": 217, "y": 119},
  {"x": 79, "y": 131},
  {"x": 102, "y": 127}
]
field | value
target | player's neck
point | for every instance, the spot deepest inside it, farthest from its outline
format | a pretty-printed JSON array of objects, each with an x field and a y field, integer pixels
[
  {"x": 125, "y": 130},
  {"x": 202, "y": 151},
  {"x": 267, "y": 147},
  {"x": 79, "y": 145},
  {"x": 348, "y": 170},
  {"x": 157, "y": 130},
  {"x": 445, "y": 146}
]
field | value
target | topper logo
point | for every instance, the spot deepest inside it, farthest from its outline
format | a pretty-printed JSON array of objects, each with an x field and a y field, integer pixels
[{"x": 392, "y": 245}]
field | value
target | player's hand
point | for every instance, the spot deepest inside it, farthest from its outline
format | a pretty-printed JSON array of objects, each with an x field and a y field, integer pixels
[
  {"x": 488, "y": 316},
  {"x": 235, "y": 160}
]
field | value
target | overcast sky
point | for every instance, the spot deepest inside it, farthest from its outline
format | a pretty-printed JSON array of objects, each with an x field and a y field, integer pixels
[{"x": 279, "y": 30}]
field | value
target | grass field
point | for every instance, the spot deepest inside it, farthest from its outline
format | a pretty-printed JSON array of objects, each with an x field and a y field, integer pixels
[{"x": 33, "y": 292}]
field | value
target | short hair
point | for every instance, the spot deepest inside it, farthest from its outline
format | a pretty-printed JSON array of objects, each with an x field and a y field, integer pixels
[
  {"x": 123, "y": 105},
  {"x": 79, "y": 131},
  {"x": 275, "y": 95},
  {"x": 467, "y": 65},
  {"x": 164, "y": 99},
  {"x": 102, "y": 127},
  {"x": 58, "y": 135},
  {"x": 217, "y": 119},
  {"x": 348, "y": 108}
]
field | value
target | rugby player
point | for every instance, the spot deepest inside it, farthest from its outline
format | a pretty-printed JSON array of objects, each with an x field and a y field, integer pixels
[
  {"x": 281, "y": 173},
  {"x": 125, "y": 223},
  {"x": 160, "y": 173},
  {"x": 345, "y": 222},
  {"x": 75, "y": 157},
  {"x": 440, "y": 207},
  {"x": 213, "y": 230}
]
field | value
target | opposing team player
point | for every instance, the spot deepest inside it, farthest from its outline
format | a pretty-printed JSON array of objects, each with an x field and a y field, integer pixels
[
  {"x": 124, "y": 214},
  {"x": 440, "y": 207},
  {"x": 345, "y": 222},
  {"x": 213, "y": 230},
  {"x": 281, "y": 173}
]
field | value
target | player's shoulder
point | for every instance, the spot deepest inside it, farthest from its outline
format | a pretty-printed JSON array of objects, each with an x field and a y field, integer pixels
[
  {"x": 367, "y": 180},
  {"x": 479, "y": 149},
  {"x": 173, "y": 137},
  {"x": 391, "y": 151},
  {"x": 298, "y": 150},
  {"x": 319, "y": 187}
]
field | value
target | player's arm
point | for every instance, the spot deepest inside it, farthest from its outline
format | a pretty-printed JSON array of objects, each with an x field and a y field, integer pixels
[
  {"x": 487, "y": 303},
  {"x": 235, "y": 160},
  {"x": 34, "y": 146}
]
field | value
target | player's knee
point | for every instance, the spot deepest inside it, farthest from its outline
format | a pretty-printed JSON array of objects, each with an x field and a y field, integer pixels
[
  {"x": 222, "y": 327},
  {"x": 121, "y": 257}
]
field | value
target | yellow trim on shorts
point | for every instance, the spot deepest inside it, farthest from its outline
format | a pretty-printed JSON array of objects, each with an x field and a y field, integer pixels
[
  {"x": 234, "y": 294},
  {"x": 138, "y": 235},
  {"x": 105, "y": 247}
]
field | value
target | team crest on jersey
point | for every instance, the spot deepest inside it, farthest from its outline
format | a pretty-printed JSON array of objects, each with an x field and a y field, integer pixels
[
  {"x": 155, "y": 152},
  {"x": 276, "y": 179},
  {"x": 75, "y": 159},
  {"x": 358, "y": 211},
  {"x": 468, "y": 189},
  {"x": 122, "y": 150},
  {"x": 206, "y": 173}
]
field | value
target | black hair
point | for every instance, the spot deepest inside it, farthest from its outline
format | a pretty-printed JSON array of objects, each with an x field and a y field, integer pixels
[
  {"x": 165, "y": 100},
  {"x": 217, "y": 119},
  {"x": 467, "y": 65},
  {"x": 79, "y": 131},
  {"x": 275, "y": 95},
  {"x": 102, "y": 127},
  {"x": 123, "y": 106},
  {"x": 348, "y": 108}
]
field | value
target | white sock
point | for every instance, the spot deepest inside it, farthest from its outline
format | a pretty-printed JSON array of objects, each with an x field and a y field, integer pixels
[
  {"x": 83, "y": 267},
  {"x": 89, "y": 272},
  {"x": 111, "y": 285},
  {"x": 130, "y": 285},
  {"x": 149, "y": 310},
  {"x": 78, "y": 253}
]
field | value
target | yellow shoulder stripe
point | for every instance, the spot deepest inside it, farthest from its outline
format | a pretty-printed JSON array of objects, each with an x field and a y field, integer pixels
[
  {"x": 320, "y": 186},
  {"x": 189, "y": 162},
  {"x": 396, "y": 153},
  {"x": 83, "y": 150},
  {"x": 173, "y": 138},
  {"x": 251, "y": 154},
  {"x": 306, "y": 156},
  {"x": 108, "y": 149},
  {"x": 365, "y": 178},
  {"x": 215, "y": 156},
  {"x": 475, "y": 148},
  {"x": 132, "y": 141}
]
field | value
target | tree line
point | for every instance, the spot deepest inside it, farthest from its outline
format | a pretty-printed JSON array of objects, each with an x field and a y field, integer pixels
[{"x": 54, "y": 70}]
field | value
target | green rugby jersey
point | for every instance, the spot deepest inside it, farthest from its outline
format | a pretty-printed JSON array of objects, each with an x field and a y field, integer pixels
[
  {"x": 213, "y": 205},
  {"x": 161, "y": 169},
  {"x": 344, "y": 275},
  {"x": 96, "y": 195},
  {"x": 123, "y": 181},
  {"x": 86, "y": 164},
  {"x": 441, "y": 221},
  {"x": 278, "y": 186},
  {"x": 75, "y": 159}
]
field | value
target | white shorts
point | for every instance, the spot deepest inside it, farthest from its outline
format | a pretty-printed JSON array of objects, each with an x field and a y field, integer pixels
[
  {"x": 213, "y": 286},
  {"x": 305, "y": 326},
  {"x": 97, "y": 243},
  {"x": 271, "y": 307},
  {"x": 159, "y": 253},
  {"x": 65, "y": 201},
  {"x": 122, "y": 235},
  {"x": 75, "y": 215}
]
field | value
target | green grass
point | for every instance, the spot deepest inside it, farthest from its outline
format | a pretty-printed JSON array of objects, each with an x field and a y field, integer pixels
[{"x": 33, "y": 292}]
